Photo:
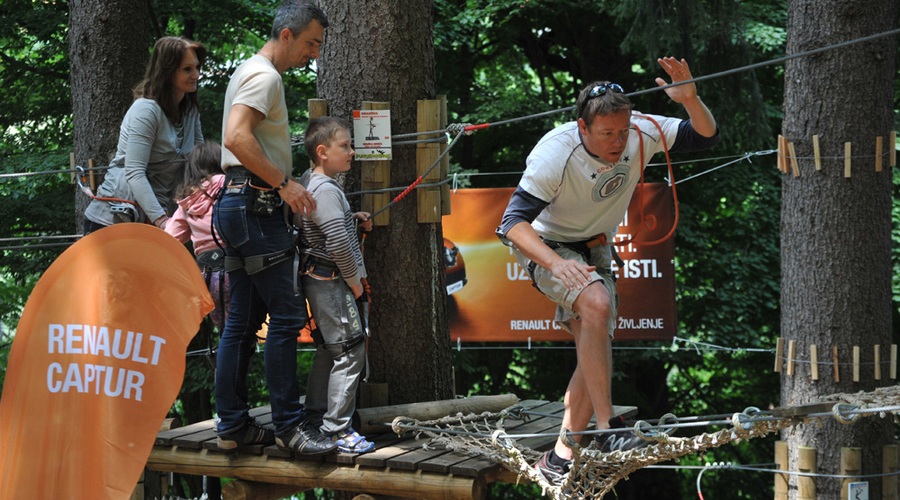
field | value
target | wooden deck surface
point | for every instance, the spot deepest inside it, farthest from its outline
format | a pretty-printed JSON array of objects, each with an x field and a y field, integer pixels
[{"x": 399, "y": 467}]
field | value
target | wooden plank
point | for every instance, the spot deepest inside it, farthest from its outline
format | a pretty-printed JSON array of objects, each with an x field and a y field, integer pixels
[
  {"x": 380, "y": 456},
  {"x": 479, "y": 466},
  {"x": 442, "y": 463},
  {"x": 474, "y": 467},
  {"x": 413, "y": 460},
  {"x": 165, "y": 438},
  {"x": 441, "y": 460},
  {"x": 205, "y": 439},
  {"x": 315, "y": 474},
  {"x": 466, "y": 465},
  {"x": 380, "y": 441}
]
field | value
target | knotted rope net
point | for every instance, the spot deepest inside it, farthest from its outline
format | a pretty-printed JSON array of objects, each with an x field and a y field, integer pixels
[{"x": 594, "y": 473}]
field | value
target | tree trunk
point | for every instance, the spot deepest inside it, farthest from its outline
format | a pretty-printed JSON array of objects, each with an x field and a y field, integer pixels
[
  {"x": 382, "y": 50},
  {"x": 836, "y": 231},
  {"x": 108, "y": 51}
]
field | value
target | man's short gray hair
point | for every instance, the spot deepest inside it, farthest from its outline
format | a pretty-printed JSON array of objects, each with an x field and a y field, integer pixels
[{"x": 296, "y": 15}]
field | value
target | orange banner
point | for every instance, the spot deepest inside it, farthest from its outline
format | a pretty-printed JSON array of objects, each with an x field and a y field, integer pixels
[
  {"x": 96, "y": 363},
  {"x": 492, "y": 299}
]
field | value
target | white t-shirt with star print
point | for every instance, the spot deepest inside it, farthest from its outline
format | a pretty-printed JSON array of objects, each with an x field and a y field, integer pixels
[{"x": 587, "y": 196}]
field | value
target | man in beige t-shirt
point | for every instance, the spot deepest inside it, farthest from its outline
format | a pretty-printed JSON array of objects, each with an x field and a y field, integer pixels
[{"x": 259, "y": 244}]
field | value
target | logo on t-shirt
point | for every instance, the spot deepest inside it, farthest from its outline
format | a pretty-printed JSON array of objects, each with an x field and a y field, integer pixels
[{"x": 610, "y": 182}]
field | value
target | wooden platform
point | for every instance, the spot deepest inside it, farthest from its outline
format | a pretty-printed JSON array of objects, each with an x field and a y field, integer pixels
[{"x": 399, "y": 467}]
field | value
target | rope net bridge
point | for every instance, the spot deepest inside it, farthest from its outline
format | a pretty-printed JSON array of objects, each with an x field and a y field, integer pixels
[{"x": 594, "y": 474}]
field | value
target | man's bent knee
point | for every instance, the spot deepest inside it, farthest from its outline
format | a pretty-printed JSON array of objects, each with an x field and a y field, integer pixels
[{"x": 595, "y": 299}]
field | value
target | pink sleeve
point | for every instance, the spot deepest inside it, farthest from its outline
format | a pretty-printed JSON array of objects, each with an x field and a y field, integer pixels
[{"x": 178, "y": 226}]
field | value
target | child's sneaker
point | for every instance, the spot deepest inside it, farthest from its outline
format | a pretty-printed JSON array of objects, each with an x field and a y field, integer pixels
[
  {"x": 552, "y": 473},
  {"x": 620, "y": 440},
  {"x": 250, "y": 434},
  {"x": 349, "y": 441}
]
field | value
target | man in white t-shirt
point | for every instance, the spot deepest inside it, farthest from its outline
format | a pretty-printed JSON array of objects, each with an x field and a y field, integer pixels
[
  {"x": 578, "y": 182},
  {"x": 259, "y": 243}
]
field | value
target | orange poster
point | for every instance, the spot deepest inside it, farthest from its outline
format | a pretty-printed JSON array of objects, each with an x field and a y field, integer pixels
[
  {"x": 96, "y": 363},
  {"x": 492, "y": 299}
]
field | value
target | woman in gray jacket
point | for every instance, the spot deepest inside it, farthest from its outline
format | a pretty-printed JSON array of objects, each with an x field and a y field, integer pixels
[{"x": 157, "y": 134}]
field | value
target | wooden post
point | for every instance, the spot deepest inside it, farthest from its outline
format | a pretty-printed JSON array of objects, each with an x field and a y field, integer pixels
[
  {"x": 794, "y": 166},
  {"x": 814, "y": 361},
  {"x": 93, "y": 182},
  {"x": 317, "y": 108},
  {"x": 847, "y": 157},
  {"x": 445, "y": 161},
  {"x": 72, "y": 168},
  {"x": 806, "y": 485},
  {"x": 856, "y": 363},
  {"x": 837, "y": 368},
  {"x": 781, "y": 463},
  {"x": 893, "y": 367},
  {"x": 792, "y": 351},
  {"x": 878, "y": 149},
  {"x": 427, "y": 153},
  {"x": 816, "y": 155},
  {"x": 779, "y": 353},
  {"x": 782, "y": 154},
  {"x": 851, "y": 465},
  {"x": 376, "y": 175},
  {"x": 889, "y": 466}
]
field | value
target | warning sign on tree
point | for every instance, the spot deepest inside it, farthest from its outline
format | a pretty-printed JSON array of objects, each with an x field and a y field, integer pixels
[{"x": 372, "y": 134}]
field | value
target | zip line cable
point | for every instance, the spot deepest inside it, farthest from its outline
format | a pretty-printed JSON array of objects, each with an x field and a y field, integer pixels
[{"x": 451, "y": 179}]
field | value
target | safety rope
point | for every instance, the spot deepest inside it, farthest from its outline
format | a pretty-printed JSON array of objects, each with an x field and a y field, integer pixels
[{"x": 415, "y": 183}]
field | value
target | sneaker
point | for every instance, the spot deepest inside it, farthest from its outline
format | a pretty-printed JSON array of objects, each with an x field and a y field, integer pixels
[
  {"x": 349, "y": 441},
  {"x": 553, "y": 474},
  {"x": 306, "y": 439},
  {"x": 620, "y": 440},
  {"x": 250, "y": 434}
]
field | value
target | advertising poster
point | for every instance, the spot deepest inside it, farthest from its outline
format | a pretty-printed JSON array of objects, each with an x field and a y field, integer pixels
[
  {"x": 97, "y": 360},
  {"x": 492, "y": 299}
]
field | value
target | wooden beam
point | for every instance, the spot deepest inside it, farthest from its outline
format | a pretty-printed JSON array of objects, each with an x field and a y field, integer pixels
[
  {"x": 373, "y": 420},
  {"x": 781, "y": 479},
  {"x": 428, "y": 118},
  {"x": 848, "y": 149},
  {"x": 816, "y": 154},
  {"x": 794, "y": 166},
  {"x": 806, "y": 462},
  {"x": 306, "y": 474}
]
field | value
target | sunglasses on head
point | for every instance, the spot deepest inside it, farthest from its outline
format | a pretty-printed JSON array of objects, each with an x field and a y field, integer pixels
[{"x": 603, "y": 88}]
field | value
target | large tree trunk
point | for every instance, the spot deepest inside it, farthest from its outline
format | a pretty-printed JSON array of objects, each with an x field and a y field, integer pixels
[
  {"x": 382, "y": 50},
  {"x": 836, "y": 231},
  {"x": 109, "y": 43}
]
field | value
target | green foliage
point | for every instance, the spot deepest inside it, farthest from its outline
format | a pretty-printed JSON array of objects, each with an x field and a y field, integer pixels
[{"x": 33, "y": 48}]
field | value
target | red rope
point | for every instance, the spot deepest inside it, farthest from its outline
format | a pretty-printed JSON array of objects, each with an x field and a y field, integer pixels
[
  {"x": 408, "y": 190},
  {"x": 650, "y": 221}
]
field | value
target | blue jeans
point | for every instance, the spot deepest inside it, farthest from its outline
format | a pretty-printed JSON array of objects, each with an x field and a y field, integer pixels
[{"x": 271, "y": 291}]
